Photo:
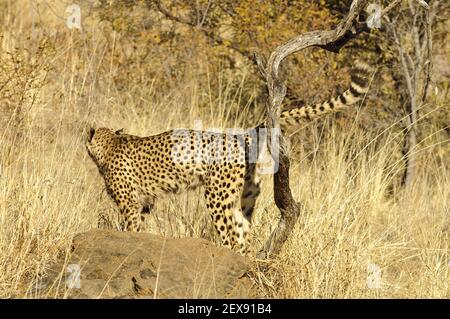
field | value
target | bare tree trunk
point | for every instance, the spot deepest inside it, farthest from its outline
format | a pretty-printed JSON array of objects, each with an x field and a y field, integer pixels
[
  {"x": 331, "y": 40},
  {"x": 413, "y": 63}
]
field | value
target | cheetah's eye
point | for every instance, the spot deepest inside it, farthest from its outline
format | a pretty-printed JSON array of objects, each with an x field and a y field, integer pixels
[{"x": 91, "y": 134}]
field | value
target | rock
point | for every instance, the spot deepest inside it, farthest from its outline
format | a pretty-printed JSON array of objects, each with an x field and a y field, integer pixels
[{"x": 141, "y": 265}]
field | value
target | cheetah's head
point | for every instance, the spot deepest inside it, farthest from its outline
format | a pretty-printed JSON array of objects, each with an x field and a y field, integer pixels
[{"x": 99, "y": 143}]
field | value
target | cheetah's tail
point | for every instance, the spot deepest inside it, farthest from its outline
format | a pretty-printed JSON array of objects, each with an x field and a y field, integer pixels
[{"x": 359, "y": 86}]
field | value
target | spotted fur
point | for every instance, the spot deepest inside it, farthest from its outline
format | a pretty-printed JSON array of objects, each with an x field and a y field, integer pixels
[{"x": 139, "y": 170}]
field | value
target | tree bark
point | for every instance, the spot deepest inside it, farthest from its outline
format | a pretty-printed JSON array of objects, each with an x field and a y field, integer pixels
[
  {"x": 331, "y": 40},
  {"x": 413, "y": 63}
]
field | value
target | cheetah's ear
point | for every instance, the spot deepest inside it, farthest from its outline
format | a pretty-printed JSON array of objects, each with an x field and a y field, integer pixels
[
  {"x": 118, "y": 132},
  {"x": 91, "y": 133}
]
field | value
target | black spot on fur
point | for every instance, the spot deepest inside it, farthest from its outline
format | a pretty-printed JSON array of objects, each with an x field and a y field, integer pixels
[{"x": 331, "y": 103}]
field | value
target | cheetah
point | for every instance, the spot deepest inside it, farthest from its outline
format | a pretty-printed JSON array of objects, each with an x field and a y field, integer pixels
[{"x": 139, "y": 170}]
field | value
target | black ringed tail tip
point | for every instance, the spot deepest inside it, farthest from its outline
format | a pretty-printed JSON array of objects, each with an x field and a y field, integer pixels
[{"x": 360, "y": 78}]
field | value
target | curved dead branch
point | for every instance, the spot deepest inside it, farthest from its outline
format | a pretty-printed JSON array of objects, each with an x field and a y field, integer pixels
[{"x": 328, "y": 40}]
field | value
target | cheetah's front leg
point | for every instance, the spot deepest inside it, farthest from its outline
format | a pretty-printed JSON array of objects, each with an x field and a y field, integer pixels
[{"x": 131, "y": 217}]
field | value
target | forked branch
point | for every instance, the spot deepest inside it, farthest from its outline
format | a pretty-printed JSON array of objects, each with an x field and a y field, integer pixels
[{"x": 330, "y": 40}]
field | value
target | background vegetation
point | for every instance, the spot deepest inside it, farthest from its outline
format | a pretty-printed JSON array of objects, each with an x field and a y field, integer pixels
[{"x": 132, "y": 66}]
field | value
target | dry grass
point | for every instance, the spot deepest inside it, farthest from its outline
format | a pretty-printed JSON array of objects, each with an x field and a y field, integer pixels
[{"x": 353, "y": 216}]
